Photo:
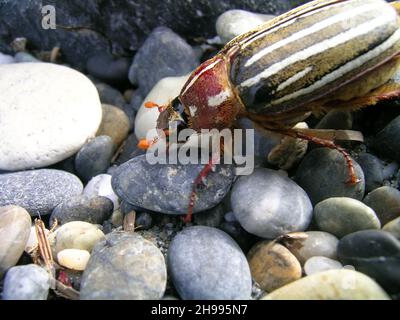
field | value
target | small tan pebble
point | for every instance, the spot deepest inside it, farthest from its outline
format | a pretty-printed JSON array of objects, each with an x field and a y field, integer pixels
[
  {"x": 117, "y": 218},
  {"x": 115, "y": 124},
  {"x": 273, "y": 266},
  {"x": 74, "y": 259}
]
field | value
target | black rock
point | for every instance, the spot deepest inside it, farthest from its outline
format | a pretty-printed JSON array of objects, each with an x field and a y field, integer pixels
[
  {"x": 339, "y": 120},
  {"x": 387, "y": 141},
  {"x": 166, "y": 188},
  {"x": 164, "y": 54},
  {"x": 210, "y": 218},
  {"x": 373, "y": 171},
  {"x": 244, "y": 239},
  {"x": 94, "y": 157},
  {"x": 108, "y": 68},
  {"x": 144, "y": 220},
  {"x": 323, "y": 174},
  {"x": 83, "y": 208},
  {"x": 109, "y": 95},
  {"x": 375, "y": 253}
]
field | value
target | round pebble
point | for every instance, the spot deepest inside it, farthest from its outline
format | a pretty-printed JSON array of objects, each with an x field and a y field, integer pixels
[
  {"x": 273, "y": 266},
  {"x": 336, "y": 119},
  {"x": 109, "y": 95},
  {"x": 124, "y": 266},
  {"x": 115, "y": 124},
  {"x": 206, "y": 264},
  {"x": 323, "y": 174},
  {"x": 155, "y": 187},
  {"x": 61, "y": 111},
  {"x": 6, "y": 59},
  {"x": 83, "y": 208},
  {"x": 15, "y": 228},
  {"x": 373, "y": 171},
  {"x": 210, "y": 218},
  {"x": 29, "y": 282},
  {"x": 320, "y": 264},
  {"x": 342, "y": 216},
  {"x": 38, "y": 191},
  {"x": 312, "y": 244},
  {"x": 73, "y": 259},
  {"x": 108, "y": 68},
  {"x": 100, "y": 185},
  {"x": 331, "y": 285},
  {"x": 144, "y": 220},
  {"x": 386, "y": 203},
  {"x": 393, "y": 227},
  {"x": 95, "y": 157},
  {"x": 268, "y": 204},
  {"x": 387, "y": 141}
]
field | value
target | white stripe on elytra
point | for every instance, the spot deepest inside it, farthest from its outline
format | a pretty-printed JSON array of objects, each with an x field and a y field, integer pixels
[
  {"x": 293, "y": 79},
  {"x": 313, "y": 29},
  {"x": 198, "y": 75},
  {"x": 261, "y": 33},
  {"x": 325, "y": 45},
  {"x": 356, "y": 63}
]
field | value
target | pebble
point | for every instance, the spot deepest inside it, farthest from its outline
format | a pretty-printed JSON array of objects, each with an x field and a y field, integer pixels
[
  {"x": 61, "y": 111},
  {"x": 269, "y": 204},
  {"x": 130, "y": 150},
  {"x": 244, "y": 239},
  {"x": 75, "y": 235},
  {"x": 38, "y": 191},
  {"x": 273, "y": 266},
  {"x": 331, "y": 285},
  {"x": 210, "y": 218},
  {"x": 320, "y": 264},
  {"x": 206, "y": 264},
  {"x": 163, "y": 54},
  {"x": 83, "y": 208},
  {"x": 124, "y": 266},
  {"x": 233, "y": 23},
  {"x": 386, "y": 203},
  {"x": 100, "y": 185},
  {"x": 314, "y": 243},
  {"x": 166, "y": 188},
  {"x": 375, "y": 253},
  {"x": 109, "y": 95},
  {"x": 387, "y": 141},
  {"x": 94, "y": 157},
  {"x": 107, "y": 68},
  {"x": 115, "y": 124},
  {"x": 336, "y": 119},
  {"x": 15, "y": 227},
  {"x": 323, "y": 174},
  {"x": 73, "y": 259},
  {"x": 393, "y": 227},
  {"x": 6, "y": 59},
  {"x": 144, "y": 220},
  {"x": 164, "y": 91},
  {"x": 341, "y": 216},
  {"x": 22, "y": 57},
  {"x": 373, "y": 171},
  {"x": 28, "y": 282}
]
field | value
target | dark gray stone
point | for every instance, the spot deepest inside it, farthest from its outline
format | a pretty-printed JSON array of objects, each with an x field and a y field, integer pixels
[
  {"x": 269, "y": 204},
  {"x": 137, "y": 101},
  {"x": 94, "y": 210},
  {"x": 124, "y": 266},
  {"x": 206, "y": 264},
  {"x": 339, "y": 120},
  {"x": 144, "y": 220},
  {"x": 373, "y": 171},
  {"x": 130, "y": 150},
  {"x": 244, "y": 239},
  {"x": 108, "y": 68},
  {"x": 164, "y": 54},
  {"x": 94, "y": 157},
  {"x": 119, "y": 24},
  {"x": 375, "y": 253},
  {"x": 109, "y": 95},
  {"x": 166, "y": 188},
  {"x": 210, "y": 218},
  {"x": 29, "y": 282},
  {"x": 387, "y": 141},
  {"x": 38, "y": 191},
  {"x": 323, "y": 174}
]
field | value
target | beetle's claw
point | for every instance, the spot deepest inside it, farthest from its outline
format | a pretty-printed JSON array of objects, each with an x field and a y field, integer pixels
[
  {"x": 146, "y": 144},
  {"x": 150, "y": 104}
]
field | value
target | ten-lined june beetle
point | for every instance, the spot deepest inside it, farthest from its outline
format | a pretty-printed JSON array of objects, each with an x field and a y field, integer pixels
[{"x": 326, "y": 54}]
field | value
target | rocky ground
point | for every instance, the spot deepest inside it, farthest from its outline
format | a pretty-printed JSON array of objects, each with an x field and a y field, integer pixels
[{"x": 68, "y": 153}]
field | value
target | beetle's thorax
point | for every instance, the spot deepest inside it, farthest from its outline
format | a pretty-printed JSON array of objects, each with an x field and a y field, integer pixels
[{"x": 209, "y": 98}]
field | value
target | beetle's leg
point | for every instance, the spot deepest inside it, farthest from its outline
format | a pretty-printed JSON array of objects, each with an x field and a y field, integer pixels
[
  {"x": 326, "y": 143},
  {"x": 150, "y": 104}
]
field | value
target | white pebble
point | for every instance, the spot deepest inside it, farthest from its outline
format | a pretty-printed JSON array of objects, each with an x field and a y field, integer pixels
[
  {"x": 74, "y": 259},
  {"x": 100, "y": 185},
  {"x": 319, "y": 264}
]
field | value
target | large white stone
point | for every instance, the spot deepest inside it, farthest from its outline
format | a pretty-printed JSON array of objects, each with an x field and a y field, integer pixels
[
  {"x": 47, "y": 112},
  {"x": 164, "y": 91}
]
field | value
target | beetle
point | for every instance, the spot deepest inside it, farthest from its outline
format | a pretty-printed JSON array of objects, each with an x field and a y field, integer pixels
[{"x": 324, "y": 55}]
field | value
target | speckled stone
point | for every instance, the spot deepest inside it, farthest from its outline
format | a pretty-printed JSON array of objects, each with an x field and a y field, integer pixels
[
  {"x": 323, "y": 174},
  {"x": 342, "y": 216},
  {"x": 386, "y": 203},
  {"x": 269, "y": 204},
  {"x": 166, "y": 188},
  {"x": 205, "y": 263},
  {"x": 331, "y": 285},
  {"x": 124, "y": 266},
  {"x": 15, "y": 227},
  {"x": 273, "y": 266},
  {"x": 38, "y": 191}
]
